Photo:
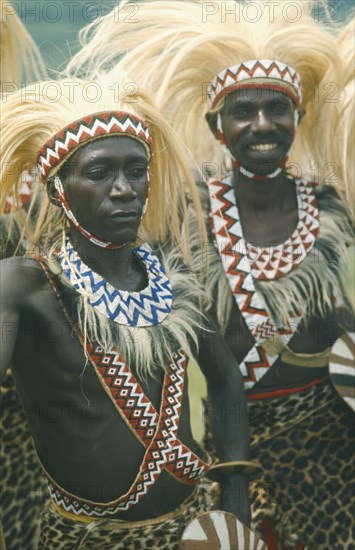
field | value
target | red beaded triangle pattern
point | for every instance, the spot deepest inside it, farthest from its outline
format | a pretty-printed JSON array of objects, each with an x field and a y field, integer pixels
[
  {"x": 279, "y": 75},
  {"x": 24, "y": 193},
  {"x": 272, "y": 262}
]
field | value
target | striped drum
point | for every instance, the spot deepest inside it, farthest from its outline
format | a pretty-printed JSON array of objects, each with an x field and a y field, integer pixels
[
  {"x": 342, "y": 367},
  {"x": 219, "y": 531}
]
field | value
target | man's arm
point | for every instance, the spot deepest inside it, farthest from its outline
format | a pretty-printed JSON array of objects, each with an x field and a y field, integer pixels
[
  {"x": 9, "y": 322},
  {"x": 228, "y": 419},
  {"x": 13, "y": 288}
]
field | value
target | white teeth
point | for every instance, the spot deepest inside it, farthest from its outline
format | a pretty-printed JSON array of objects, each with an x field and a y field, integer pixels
[{"x": 263, "y": 147}]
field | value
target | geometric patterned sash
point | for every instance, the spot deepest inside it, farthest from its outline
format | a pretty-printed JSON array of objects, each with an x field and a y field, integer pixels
[
  {"x": 239, "y": 268},
  {"x": 156, "y": 431}
]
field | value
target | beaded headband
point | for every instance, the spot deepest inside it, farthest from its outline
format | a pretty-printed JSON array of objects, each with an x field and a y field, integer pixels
[
  {"x": 59, "y": 147},
  {"x": 56, "y": 151},
  {"x": 258, "y": 73}
]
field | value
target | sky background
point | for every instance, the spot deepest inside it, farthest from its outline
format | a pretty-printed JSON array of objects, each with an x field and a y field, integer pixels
[{"x": 55, "y": 24}]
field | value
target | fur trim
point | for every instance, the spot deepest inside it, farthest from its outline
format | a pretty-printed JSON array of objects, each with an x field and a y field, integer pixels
[{"x": 306, "y": 290}]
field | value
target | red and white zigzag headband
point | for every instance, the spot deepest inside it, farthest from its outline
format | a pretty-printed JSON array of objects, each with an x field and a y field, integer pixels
[
  {"x": 257, "y": 73},
  {"x": 56, "y": 151},
  {"x": 61, "y": 145}
]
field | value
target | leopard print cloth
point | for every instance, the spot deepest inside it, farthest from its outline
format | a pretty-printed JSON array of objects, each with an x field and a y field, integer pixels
[
  {"x": 305, "y": 444},
  {"x": 23, "y": 486},
  {"x": 60, "y": 533},
  {"x": 24, "y": 493}
]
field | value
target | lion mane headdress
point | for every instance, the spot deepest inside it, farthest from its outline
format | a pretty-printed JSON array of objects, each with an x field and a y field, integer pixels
[
  {"x": 44, "y": 123},
  {"x": 176, "y": 49}
]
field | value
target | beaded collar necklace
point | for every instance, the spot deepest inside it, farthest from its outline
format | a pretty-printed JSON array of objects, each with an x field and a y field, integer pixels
[{"x": 144, "y": 308}]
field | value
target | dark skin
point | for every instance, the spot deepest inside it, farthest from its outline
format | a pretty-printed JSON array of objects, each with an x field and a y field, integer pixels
[
  {"x": 259, "y": 130},
  {"x": 82, "y": 441},
  {"x": 108, "y": 195}
]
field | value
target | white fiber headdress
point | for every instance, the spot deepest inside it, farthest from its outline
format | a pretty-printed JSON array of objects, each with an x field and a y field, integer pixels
[
  {"x": 176, "y": 49},
  {"x": 44, "y": 123}
]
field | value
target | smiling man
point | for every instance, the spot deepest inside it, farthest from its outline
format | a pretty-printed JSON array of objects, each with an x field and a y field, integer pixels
[
  {"x": 256, "y": 127},
  {"x": 98, "y": 324},
  {"x": 271, "y": 88}
]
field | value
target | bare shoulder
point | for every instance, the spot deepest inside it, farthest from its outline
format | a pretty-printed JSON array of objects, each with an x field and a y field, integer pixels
[{"x": 20, "y": 278}]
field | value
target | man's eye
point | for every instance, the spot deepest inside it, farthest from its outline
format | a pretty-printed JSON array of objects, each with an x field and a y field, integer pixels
[
  {"x": 241, "y": 112},
  {"x": 137, "y": 172},
  {"x": 281, "y": 109},
  {"x": 96, "y": 173}
]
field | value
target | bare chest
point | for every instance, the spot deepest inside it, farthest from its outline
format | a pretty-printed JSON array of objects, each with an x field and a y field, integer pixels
[
  {"x": 72, "y": 417},
  {"x": 268, "y": 229}
]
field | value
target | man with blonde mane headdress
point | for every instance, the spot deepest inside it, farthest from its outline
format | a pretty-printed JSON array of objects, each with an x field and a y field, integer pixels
[
  {"x": 98, "y": 321},
  {"x": 275, "y": 89}
]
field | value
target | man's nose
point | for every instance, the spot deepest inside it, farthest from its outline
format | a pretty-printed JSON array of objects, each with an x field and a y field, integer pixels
[
  {"x": 122, "y": 188},
  {"x": 262, "y": 122}
]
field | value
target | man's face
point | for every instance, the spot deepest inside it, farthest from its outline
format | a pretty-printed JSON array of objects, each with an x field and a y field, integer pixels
[
  {"x": 259, "y": 128},
  {"x": 106, "y": 185}
]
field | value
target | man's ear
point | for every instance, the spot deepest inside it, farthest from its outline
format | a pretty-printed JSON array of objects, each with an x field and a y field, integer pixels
[
  {"x": 211, "y": 119},
  {"x": 52, "y": 193}
]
